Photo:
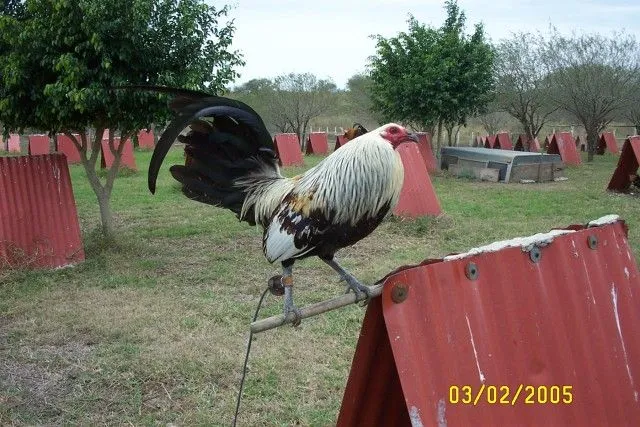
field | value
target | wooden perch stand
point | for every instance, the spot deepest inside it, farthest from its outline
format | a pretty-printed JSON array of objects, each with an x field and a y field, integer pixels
[{"x": 313, "y": 309}]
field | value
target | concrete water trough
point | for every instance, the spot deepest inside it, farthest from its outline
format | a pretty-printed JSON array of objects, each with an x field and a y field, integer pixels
[{"x": 501, "y": 165}]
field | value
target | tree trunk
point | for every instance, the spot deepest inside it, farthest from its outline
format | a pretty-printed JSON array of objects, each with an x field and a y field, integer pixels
[
  {"x": 102, "y": 192},
  {"x": 439, "y": 138},
  {"x": 449, "y": 129},
  {"x": 592, "y": 141},
  {"x": 105, "y": 214}
]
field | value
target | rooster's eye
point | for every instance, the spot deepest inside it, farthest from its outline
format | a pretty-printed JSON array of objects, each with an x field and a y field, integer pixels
[{"x": 393, "y": 130}]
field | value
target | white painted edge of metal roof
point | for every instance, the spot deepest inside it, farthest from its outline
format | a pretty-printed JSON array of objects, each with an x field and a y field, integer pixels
[{"x": 526, "y": 243}]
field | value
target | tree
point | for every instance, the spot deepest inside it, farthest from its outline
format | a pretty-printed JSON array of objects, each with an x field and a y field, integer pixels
[
  {"x": 359, "y": 98},
  {"x": 64, "y": 57},
  {"x": 259, "y": 93},
  {"x": 522, "y": 89},
  {"x": 298, "y": 99},
  {"x": 494, "y": 120},
  {"x": 591, "y": 76},
  {"x": 428, "y": 75},
  {"x": 632, "y": 109},
  {"x": 12, "y": 7}
]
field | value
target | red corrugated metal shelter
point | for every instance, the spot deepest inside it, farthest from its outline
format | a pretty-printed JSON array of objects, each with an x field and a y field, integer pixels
[
  {"x": 68, "y": 148},
  {"x": 568, "y": 137},
  {"x": 489, "y": 141},
  {"x": 424, "y": 145},
  {"x": 317, "y": 143},
  {"x": 559, "y": 318},
  {"x": 566, "y": 149},
  {"x": 627, "y": 165},
  {"x": 14, "y": 143},
  {"x": 38, "y": 144},
  {"x": 503, "y": 141},
  {"x": 478, "y": 141},
  {"x": 340, "y": 141},
  {"x": 127, "y": 159},
  {"x": 288, "y": 149},
  {"x": 521, "y": 144},
  {"x": 607, "y": 142},
  {"x": 39, "y": 226},
  {"x": 146, "y": 140},
  {"x": 418, "y": 197}
]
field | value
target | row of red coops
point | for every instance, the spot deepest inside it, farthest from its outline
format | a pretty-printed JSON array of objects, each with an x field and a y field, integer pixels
[
  {"x": 41, "y": 144},
  {"x": 40, "y": 226},
  {"x": 561, "y": 143}
]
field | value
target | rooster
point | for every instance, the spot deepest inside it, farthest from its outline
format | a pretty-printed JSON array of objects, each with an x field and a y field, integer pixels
[
  {"x": 233, "y": 164},
  {"x": 355, "y": 131}
]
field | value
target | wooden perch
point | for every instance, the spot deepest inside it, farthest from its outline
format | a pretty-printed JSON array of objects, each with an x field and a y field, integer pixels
[{"x": 313, "y": 309}]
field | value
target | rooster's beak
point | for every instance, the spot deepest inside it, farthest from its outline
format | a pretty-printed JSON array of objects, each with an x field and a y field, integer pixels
[{"x": 412, "y": 137}]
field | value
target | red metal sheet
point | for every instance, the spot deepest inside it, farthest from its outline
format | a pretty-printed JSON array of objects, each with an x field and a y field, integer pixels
[
  {"x": 490, "y": 141},
  {"x": 568, "y": 137},
  {"x": 523, "y": 143},
  {"x": 627, "y": 165},
  {"x": 503, "y": 141},
  {"x": 317, "y": 143},
  {"x": 568, "y": 318},
  {"x": 38, "y": 144},
  {"x": 424, "y": 145},
  {"x": 288, "y": 149},
  {"x": 607, "y": 142},
  {"x": 146, "y": 140},
  {"x": 39, "y": 226},
  {"x": 371, "y": 400},
  {"x": 535, "y": 147},
  {"x": 14, "y": 143},
  {"x": 566, "y": 149},
  {"x": 67, "y": 147},
  {"x": 340, "y": 141},
  {"x": 127, "y": 159},
  {"x": 418, "y": 197}
]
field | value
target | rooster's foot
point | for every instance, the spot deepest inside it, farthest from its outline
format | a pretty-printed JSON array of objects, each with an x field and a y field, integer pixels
[
  {"x": 358, "y": 288},
  {"x": 290, "y": 307}
]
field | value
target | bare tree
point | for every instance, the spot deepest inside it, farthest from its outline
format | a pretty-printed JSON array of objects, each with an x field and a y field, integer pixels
[
  {"x": 591, "y": 77},
  {"x": 632, "y": 109},
  {"x": 522, "y": 89},
  {"x": 494, "y": 121},
  {"x": 298, "y": 99}
]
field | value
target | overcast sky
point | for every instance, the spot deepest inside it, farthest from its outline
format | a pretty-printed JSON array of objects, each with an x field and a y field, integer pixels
[{"x": 331, "y": 38}]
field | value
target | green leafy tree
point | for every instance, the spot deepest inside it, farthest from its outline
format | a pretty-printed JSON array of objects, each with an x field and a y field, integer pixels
[
  {"x": 592, "y": 77},
  {"x": 427, "y": 75},
  {"x": 12, "y": 7},
  {"x": 63, "y": 58}
]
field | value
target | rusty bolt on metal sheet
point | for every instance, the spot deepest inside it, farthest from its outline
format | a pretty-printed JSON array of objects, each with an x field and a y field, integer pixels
[
  {"x": 535, "y": 254},
  {"x": 471, "y": 271},
  {"x": 592, "y": 241},
  {"x": 399, "y": 293}
]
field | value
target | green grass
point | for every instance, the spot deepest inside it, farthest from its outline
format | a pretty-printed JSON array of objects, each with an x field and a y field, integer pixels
[{"x": 151, "y": 330}]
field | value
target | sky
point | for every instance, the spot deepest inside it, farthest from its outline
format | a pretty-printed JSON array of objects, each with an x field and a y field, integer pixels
[{"x": 331, "y": 38}]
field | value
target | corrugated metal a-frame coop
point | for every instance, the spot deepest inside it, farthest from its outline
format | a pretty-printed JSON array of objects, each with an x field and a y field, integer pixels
[{"x": 533, "y": 331}]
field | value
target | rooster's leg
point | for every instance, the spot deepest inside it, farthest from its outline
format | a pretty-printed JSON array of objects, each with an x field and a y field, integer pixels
[
  {"x": 354, "y": 284},
  {"x": 289, "y": 306}
]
